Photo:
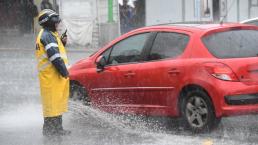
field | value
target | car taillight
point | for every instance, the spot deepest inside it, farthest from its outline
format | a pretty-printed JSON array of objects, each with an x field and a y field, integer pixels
[{"x": 221, "y": 71}]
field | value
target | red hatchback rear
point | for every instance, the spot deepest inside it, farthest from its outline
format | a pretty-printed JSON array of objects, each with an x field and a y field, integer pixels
[{"x": 197, "y": 72}]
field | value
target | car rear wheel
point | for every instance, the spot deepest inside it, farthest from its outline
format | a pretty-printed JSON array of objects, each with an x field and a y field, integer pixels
[
  {"x": 197, "y": 111},
  {"x": 79, "y": 93}
]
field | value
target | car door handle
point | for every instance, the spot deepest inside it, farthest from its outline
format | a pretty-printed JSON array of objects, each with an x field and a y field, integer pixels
[
  {"x": 174, "y": 71},
  {"x": 129, "y": 74}
]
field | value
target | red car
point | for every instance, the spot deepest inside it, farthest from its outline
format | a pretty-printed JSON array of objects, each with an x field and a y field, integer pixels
[{"x": 197, "y": 72}]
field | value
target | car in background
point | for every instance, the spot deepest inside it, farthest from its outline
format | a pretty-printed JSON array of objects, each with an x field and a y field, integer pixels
[
  {"x": 198, "y": 72},
  {"x": 253, "y": 21}
]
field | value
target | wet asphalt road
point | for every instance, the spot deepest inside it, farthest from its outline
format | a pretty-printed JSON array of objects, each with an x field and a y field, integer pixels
[{"x": 21, "y": 117}]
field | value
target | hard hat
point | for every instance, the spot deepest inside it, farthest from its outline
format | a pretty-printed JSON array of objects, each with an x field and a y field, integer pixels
[{"x": 48, "y": 16}]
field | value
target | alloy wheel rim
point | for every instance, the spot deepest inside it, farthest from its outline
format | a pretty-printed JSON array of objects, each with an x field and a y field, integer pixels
[{"x": 196, "y": 111}]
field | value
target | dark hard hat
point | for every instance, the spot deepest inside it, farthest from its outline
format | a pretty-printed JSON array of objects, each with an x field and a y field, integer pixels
[{"x": 48, "y": 16}]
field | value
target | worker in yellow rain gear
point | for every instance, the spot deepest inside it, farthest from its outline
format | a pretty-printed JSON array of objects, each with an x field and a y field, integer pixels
[{"x": 53, "y": 73}]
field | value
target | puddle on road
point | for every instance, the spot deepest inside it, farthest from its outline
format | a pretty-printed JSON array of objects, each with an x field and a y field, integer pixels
[
  {"x": 233, "y": 130},
  {"x": 25, "y": 122},
  {"x": 21, "y": 116}
]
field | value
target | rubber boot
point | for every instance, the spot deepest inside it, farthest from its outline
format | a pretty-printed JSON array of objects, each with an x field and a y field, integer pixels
[
  {"x": 49, "y": 126},
  {"x": 59, "y": 127}
]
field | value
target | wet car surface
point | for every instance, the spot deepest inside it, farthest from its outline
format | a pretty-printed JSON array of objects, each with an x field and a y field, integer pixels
[{"x": 200, "y": 72}]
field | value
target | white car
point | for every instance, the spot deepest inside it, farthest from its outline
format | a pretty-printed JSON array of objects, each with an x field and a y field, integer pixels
[{"x": 253, "y": 21}]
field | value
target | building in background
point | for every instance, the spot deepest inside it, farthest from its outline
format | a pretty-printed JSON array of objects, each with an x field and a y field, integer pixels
[
  {"x": 93, "y": 23},
  {"x": 88, "y": 21},
  {"x": 167, "y": 11},
  {"x": 138, "y": 13},
  {"x": 17, "y": 16}
]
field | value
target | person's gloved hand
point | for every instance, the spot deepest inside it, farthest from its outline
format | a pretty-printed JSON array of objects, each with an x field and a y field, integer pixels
[{"x": 65, "y": 75}]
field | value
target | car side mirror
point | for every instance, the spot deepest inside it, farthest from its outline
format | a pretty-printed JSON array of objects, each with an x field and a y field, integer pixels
[{"x": 101, "y": 62}]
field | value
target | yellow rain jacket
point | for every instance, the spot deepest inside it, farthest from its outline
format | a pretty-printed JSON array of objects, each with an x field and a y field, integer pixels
[{"x": 54, "y": 88}]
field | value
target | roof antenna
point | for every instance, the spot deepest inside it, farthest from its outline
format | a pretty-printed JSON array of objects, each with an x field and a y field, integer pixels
[
  {"x": 222, "y": 19},
  {"x": 227, "y": 10}
]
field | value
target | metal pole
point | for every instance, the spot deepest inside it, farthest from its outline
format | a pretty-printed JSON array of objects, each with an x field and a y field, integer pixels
[
  {"x": 238, "y": 11},
  {"x": 183, "y": 10},
  {"x": 249, "y": 9},
  {"x": 54, "y": 5},
  {"x": 110, "y": 11}
]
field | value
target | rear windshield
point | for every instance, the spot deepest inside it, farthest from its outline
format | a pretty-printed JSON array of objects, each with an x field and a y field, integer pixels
[{"x": 233, "y": 43}]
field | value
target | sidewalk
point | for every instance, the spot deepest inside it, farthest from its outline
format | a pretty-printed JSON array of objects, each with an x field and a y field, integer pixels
[
  {"x": 27, "y": 42},
  {"x": 17, "y": 41}
]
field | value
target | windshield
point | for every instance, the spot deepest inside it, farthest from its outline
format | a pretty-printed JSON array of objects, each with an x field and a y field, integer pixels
[{"x": 233, "y": 44}]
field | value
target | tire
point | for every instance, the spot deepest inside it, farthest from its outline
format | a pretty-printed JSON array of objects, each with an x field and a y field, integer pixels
[
  {"x": 198, "y": 112},
  {"x": 79, "y": 93}
]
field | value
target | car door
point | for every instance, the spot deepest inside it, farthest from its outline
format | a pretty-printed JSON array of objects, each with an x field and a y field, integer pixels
[
  {"x": 114, "y": 86},
  {"x": 162, "y": 70}
]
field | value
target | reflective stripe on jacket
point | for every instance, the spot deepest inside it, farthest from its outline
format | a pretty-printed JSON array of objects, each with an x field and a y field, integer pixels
[{"x": 54, "y": 88}]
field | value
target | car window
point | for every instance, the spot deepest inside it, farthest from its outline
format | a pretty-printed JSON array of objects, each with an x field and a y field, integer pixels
[
  {"x": 168, "y": 45},
  {"x": 128, "y": 50},
  {"x": 106, "y": 54},
  {"x": 233, "y": 44}
]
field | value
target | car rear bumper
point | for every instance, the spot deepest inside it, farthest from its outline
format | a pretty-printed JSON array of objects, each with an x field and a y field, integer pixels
[
  {"x": 244, "y": 99},
  {"x": 235, "y": 98},
  {"x": 240, "y": 105},
  {"x": 240, "y": 110}
]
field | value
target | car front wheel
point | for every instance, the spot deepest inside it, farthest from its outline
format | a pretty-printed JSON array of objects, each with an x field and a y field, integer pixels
[{"x": 79, "y": 93}]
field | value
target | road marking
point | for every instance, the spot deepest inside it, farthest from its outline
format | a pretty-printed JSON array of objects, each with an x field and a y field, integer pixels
[{"x": 207, "y": 142}]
